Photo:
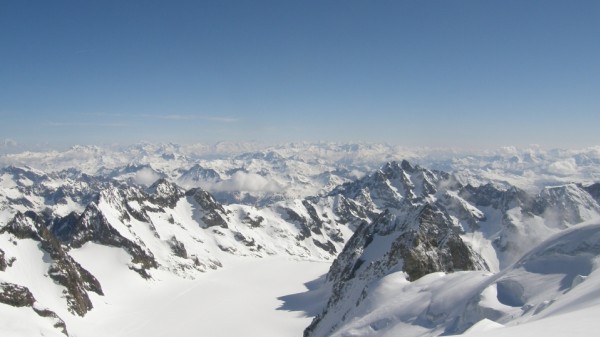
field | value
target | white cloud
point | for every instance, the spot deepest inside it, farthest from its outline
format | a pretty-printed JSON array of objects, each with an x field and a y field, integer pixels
[
  {"x": 356, "y": 174},
  {"x": 508, "y": 150},
  {"x": 564, "y": 167},
  {"x": 247, "y": 182},
  {"x": 146, "y": 176}
]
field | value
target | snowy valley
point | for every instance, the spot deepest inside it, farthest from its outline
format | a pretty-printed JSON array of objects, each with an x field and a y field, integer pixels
[{"x": 313, "y": 239}]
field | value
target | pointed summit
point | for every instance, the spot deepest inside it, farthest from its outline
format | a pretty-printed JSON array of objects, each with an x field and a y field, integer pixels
[
  {"x": 165, "y": 193},
  {"x": 406, "y": 166}
]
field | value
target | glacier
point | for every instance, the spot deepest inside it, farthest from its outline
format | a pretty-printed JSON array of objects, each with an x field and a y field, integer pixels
[{"x": 361, "y": 239}]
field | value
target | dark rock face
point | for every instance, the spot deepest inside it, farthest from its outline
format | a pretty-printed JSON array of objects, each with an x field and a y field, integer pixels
[
  {"x": 19, "y": 296},
  {"x": 328, "y": 246},
  {"x": 413, "y": 233},
  {"x": 92, "y": 226},
  {"x": 434, "y": 246},
  {"x": 178, "y": 248},
  {"x": 594, "y": 191},
  {"x": 213, "y": 213},
  {"x": 3, "y": 262},
  {"x": 21, "y": 228},
  {"x": 388, "y": 188},
  {"x": 350, "y": 212},
  {"x": 489, "y": 195},
  {"x": 63, "y": 270},
  {"x": 413, "y": 222},
  {"x": 420, "y": 239},
  {"x": 63, "y": 228},
  {"x": 313, "y": 225},
  {"x": 253, "y": 222},
  {"x": 299, "y": 221},
  {"x": 16, "y": 295}
]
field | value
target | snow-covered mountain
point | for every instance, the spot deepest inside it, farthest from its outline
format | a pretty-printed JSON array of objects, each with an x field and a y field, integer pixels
[
  {"x": 170, "y": 211},
  {"x": 260, "y": 174},
  {"x": 428, "y": 222},
  {"x": 558, "y": 277},
  {"x": 55, "y": 218}
]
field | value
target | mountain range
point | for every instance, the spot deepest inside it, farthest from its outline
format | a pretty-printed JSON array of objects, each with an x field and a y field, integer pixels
[{"x": 491, "y": 226}]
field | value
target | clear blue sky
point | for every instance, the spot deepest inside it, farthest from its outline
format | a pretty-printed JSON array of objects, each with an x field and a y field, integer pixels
[{"x": 457, "y": 73}]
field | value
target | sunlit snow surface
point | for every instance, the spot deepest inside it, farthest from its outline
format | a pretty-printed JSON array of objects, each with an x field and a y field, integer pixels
[
  {"x": 267, "y": 296},
  {"x": 240, "y": 299},
  {"x": 554, "y": 290}
]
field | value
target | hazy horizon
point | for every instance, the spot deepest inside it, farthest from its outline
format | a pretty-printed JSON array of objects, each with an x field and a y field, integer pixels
[{"x": 11, "y": 147}]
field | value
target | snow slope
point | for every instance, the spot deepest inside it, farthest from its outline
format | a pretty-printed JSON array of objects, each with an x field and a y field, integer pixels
[
  {"x": 581, "y": 323},
  {"x": 240, "y": 299},
  {"x": 557, "y": 283},
  {"x": 196, "y": 255}
]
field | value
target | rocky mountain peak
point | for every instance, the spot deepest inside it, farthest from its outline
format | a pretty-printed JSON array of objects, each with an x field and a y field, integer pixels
[
  {"x": 565, "y": 205},
  {"x": 19, "y": 296},
  {"x": 63, "y": 269},
  {"x": 418, "y": 240},
  {"x": 165, "y": 193},
  {"x": 491, "y": 195},
  {"x": 199, "y": 173},
  {"x": 408, "y": 221},
  {"x": 211, "y": 212},
  {"x": 593, "y": 190},
  {"x": 406, "y": 166},
  {"x": 395, "y": 182},
  {"x": 93, "y": 226}
]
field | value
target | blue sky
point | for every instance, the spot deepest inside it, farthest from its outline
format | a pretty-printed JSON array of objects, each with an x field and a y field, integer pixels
[{"x": 419, "y": 73}]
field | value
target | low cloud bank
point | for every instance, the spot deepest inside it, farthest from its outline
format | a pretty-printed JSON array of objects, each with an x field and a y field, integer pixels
[
  {"x": 146, "y": 176},
  {"x": 564, "y": 167},
  {"x": 246, "y": 182}
]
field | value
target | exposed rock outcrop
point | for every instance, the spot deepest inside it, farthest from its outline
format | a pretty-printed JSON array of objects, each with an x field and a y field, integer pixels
[
  {"x": 19, "y": 296},
  {"x": 63, "y": 269}
]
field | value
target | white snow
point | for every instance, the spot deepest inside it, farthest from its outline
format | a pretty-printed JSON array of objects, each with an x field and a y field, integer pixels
[
  {"x": 240, "y": 299},
  {"x": 554, "y": 290},
  {"x": 30, "y": 269},
  {"x": 483, "y": 247},
  {"x": 483, "y": 326},
  {"x": 300, "y": 171},
  {"x": 580, "y": 323},
  {"x": 19, "y": 322}
]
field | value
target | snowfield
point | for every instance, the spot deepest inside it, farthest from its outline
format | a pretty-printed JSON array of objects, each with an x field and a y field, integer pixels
[
  {"x": 554, "y": 290},
  {"x": 581, "y": 323},
  {"x": 240, "y": 299},
  {"x": 240, "y": 240}
]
